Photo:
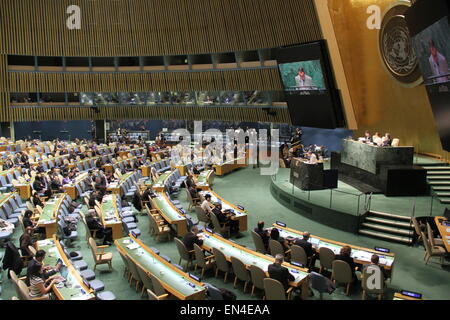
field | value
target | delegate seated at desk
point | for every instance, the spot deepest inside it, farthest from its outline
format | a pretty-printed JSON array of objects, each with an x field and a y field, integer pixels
[
  {"x": 263, "y": 233},
  {"x": 206, "y": 205},
  {"x": 94, "y": 225},
  {"x": 309, "y": 248},
  {"x": 377, "y": 140},
  {"x": 225, "y": 218},
  {"x": 278, "y": 272},
  {"x": 345, "y": 255},
  {"x": 191, "y": 238}
]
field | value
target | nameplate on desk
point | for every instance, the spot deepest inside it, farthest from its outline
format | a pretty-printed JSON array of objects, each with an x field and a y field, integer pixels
[
  {"x": 281, "y": 224},
  {"x": 384, "y": 250},
  {"x": 240, "y": 207},
  {"x": 411, "y": 294},
  {"x": 209, "y": 230},
  {"x": 194, "y": 277},
  {"x": 297, "y": 264}
]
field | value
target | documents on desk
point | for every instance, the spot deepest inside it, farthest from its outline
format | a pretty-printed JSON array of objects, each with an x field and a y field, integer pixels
[{"x": 133, "y": 246}]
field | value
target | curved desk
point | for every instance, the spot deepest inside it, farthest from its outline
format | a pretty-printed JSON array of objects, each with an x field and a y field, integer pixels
[
  {"x": 116, "y": 186},
  {"x": 250, "y": 257},
  {"x": 240, "y": 215},
  {"x": 230, "y": 166},
  {"x": 174, "y": 280},
  {"x": 444, "y": 231},
  {"x": 170, "y": 213},
  {"x": 49, "y": 217},
  {"x": 74, "y": 288},
  {"x": 159, "y": 184},
  {"x": 71, "y": 188},
  {"x": 204, "y": 180},
  {"x": 359, "y": 254},
  {"x": 110, "y": 216}
]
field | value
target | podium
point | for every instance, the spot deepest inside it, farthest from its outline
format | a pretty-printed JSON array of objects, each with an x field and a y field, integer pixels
[{"x": 307, "y": 176}]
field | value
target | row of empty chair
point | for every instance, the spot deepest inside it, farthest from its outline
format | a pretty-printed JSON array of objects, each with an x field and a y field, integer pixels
[{"x": 153, "y": 272}]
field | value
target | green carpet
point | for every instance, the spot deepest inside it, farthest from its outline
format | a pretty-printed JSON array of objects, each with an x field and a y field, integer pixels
[
  {"x": 345, "y": 198},
  {"x": 248, "y": 188}
]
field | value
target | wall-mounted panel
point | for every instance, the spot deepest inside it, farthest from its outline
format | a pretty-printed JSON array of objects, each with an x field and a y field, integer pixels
[
  {"x": 233, "y": 80},
  {"x": 155, "y": 27},
  {"x": 156, "y": 113}
]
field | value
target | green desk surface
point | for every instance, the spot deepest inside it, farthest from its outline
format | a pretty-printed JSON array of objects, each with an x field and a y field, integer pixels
[
  {"x": 158, "y": 267},
  {"x": 118, "y": 184},
  {"x": 202, "y": 179},
  {"x": 225, "y": 205},
  {"x": 109, "y": 210},
  {"x": 358, "y": 254},
  {"x": 78, "y": 179},
  {"x": 47, "y": 215},
  {"x": 4, "y": 197},
  {"x": 73, "y": 288},
  {"x": 234, "y": 161},
  {"x": 248, "y": 257},
  {"x": 169, "y": 211},
  {"x": 160, "y": 182}
]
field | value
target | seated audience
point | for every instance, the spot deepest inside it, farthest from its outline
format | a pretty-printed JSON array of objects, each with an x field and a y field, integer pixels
[
  {"x": 387, "y": 141},
  {"x": 375, "y": 260},
  {"x": 192, "y": 238},
  {"x": 225, "y": 218},
  {"x": 26, "y": 240},
  {"x": 275, "y": 235},
  {"x": 376, "y": 139},
  {"x": 263, "y": 233},
  {"x": 206, "y": 205},
  {"x": 40, "y": 287},
  {"x": 307, "y": 246},
  {"x": 94, "y": 225},
  {"x": 345, "y": 255},
  {"x": 278, "y": 272}
]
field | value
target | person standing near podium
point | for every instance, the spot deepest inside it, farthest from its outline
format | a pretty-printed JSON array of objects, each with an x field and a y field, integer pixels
[{"x": 312, "y": 158}]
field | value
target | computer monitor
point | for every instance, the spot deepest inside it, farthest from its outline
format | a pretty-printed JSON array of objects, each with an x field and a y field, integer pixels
[
  {"x": 314, "y": 241},
  {"x": 64, "y": 271}
]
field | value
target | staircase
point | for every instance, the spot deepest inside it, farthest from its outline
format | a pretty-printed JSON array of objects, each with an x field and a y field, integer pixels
[
  {"x": 387, "y": 226},
  {"x": 438, "y": 176}
]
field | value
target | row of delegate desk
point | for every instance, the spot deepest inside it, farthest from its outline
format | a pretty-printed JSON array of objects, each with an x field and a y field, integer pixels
[
  {"x": 230, "y": 166},
  {"x": 177, "y": 218},
  {"x": 443, "y": 226},
  {"x": 359, "y": 254},
  {"x": 48, "y": 219},
  {"x": 174, "y": 280},
  {"x": 74, "y": 288},
  {"x": 110, "y": 215}
]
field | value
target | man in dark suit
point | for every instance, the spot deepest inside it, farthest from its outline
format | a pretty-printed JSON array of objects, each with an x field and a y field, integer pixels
[
  {"x": 225, "y": 218},
  {"x": 375, "y": 260},
  {"x": 345, "y": 255},
  {"x": 102, "y": 232},
  {"x": 280, "y": 273},
  {"x": 192, "y": 238},
  {"x": 307, "y": 246},
  {"x": 263, "y": 233}
]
